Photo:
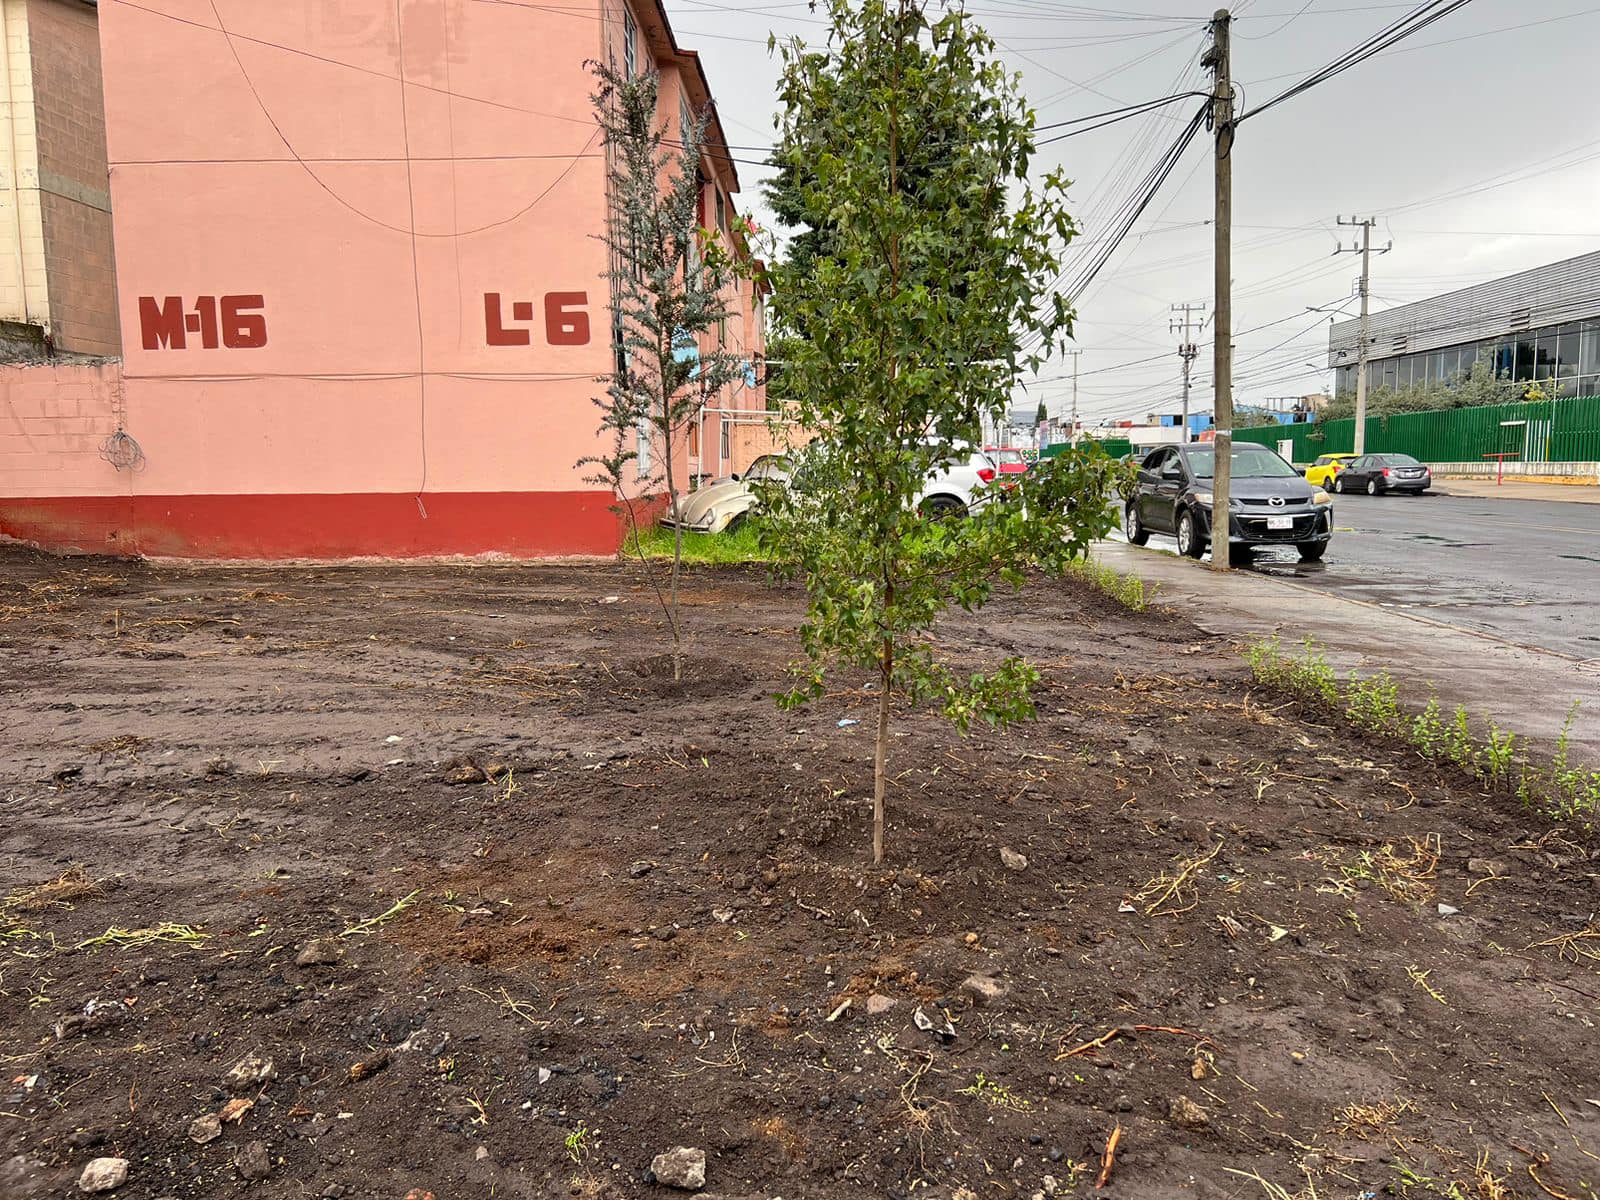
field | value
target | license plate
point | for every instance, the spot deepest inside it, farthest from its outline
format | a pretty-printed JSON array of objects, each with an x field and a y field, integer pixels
[{"x": 1280, "y": 522}]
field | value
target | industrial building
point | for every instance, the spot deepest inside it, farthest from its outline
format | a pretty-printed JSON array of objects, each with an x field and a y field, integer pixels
[
  {"x": 1541, "y": 325},
  {"x": 359, "y": 302}
]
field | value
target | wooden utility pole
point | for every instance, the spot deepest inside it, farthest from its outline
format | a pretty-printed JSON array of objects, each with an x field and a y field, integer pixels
[
  {"x": 1365, "y": 250},
  {"x": 1187, "y": 351},
  {"x": 1217, "y": 58}
]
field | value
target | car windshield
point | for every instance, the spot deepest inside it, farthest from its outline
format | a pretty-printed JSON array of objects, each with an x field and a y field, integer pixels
[
  {"x": 768, "y": 466},
  {"x": 1007, "y": 456},
  {"x": 1398, "y": 460},
  {"x": 1248, "y": 463}
]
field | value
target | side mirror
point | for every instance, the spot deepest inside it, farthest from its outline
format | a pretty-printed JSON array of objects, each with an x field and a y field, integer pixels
[{"x": 734, "y": 477}]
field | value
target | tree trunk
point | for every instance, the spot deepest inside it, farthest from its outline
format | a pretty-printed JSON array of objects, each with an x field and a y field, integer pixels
[
  {"x": 880, "y": 758},
  {"x": 664, "y": 348}
]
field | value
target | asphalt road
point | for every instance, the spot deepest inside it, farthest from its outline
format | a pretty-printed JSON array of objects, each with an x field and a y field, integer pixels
[{"x": 1524, "y": 570}]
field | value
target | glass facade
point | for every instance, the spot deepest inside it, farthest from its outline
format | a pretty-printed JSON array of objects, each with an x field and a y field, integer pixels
[{"x": 1568, "y": 356}]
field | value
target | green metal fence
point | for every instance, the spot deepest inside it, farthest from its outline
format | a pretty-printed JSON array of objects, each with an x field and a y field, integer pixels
[
  {"x": 1535, "y": 431},
  {"x": 1115, "y": 447}
]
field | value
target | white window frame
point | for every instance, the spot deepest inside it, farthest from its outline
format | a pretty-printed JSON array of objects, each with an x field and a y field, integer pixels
[{"x": 630, "y": 35}]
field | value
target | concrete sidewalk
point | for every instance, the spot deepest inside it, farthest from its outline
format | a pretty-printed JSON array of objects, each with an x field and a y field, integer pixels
[
  {"x": 1523, "y": 689},
  {"x": 1578, "y": 493}
]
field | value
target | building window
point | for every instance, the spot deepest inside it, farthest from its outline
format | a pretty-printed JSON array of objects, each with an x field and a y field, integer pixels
[
  {"x": 722, "y": 212},
  {"x": 727, "y": 450},
  {"x": 1589, "y": 349},
  {"x": 685, "y": 118},
  {"x": 642, "y": 447},
  {"x": 630, "y": 34}
]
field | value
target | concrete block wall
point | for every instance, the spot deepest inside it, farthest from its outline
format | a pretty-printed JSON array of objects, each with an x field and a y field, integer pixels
[
  {"x": 74, "y": 183},
  {"x": 53, "y": 420}
]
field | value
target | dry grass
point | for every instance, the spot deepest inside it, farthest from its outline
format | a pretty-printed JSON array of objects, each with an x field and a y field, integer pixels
[
  {"x": 1573, "y": 947},
  {"x": 1172, "y": 892},
  {"x": 1364, "y": 1120},
  {"x": 1405, "y": 875},
  {"x": 65, "y": 890}
]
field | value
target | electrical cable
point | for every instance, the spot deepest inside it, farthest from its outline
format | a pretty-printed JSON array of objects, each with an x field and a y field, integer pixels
[{"x": 1413, "y": 22}]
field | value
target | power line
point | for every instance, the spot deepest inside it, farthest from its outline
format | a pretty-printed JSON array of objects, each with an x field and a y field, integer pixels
[{"x": 1418, "y": 19}]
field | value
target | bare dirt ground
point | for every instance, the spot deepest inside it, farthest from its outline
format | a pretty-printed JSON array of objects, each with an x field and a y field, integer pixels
[{"x": 228, "y": 828}]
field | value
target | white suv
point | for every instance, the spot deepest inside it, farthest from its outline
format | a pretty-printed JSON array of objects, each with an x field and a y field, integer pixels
[{"x": 958, "y": 486}]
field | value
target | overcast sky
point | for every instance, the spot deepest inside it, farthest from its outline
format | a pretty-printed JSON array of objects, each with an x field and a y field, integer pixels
[{"x": 1475, "y": 142}]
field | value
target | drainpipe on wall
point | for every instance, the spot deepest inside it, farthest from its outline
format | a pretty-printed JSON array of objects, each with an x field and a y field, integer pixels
[{"x": 11, "y": 129}]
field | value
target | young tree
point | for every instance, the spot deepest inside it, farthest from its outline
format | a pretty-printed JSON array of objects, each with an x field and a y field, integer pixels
[
  {"x": 669, "y": 279},
  {"x": 1042, "y": 415},
  {"x": 909, "y": 144}
]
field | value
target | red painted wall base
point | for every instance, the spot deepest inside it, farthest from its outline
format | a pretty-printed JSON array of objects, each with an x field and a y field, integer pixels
[{"x": 384, "y": 525}]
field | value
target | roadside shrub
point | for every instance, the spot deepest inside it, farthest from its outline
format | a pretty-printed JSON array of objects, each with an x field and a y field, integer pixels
[
  {"x": 1127, "y": 590},
  {"x": 1373, "y": 703},
  {"x": 1498, "y": 758},
  {"x": 1307, "y": 676}
]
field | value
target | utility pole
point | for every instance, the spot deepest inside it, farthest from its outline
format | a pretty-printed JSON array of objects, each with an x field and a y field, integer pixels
[
  {"x": 1365, "y": 250},
  {"x": 1073, "y": 437},
  {"x": 1218, "y": 59},
  {"x": 1187, "y": 351}
]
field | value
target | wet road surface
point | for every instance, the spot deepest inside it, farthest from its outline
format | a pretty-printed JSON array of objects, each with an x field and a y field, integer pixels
[{"x": 1524, "y": 570}]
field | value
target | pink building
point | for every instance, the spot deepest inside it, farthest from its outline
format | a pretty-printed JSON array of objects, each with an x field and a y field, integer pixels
[{"x": 361, "y": 293}]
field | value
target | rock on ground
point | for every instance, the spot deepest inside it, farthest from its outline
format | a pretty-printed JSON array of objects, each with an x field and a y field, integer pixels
[
  {"x": 205, "y": 1129},
  {"x": 319, "y": 952},
  {"x": 253, "y": 1160},
  {"x": 252, "y": 1069},
  {"x": 984, "y": 989},
  {"x": 103, "y": 1174},
  {"x": 1012, "y": 860},
  {"x": 681, "y": 1167},
  {"x": 1186, "y": 1114}
]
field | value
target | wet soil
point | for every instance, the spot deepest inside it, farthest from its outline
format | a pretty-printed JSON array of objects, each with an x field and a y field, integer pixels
[{"x": 644, "y": 916}]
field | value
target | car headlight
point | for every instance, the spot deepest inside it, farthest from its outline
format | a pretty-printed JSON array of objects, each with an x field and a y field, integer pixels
[
  {"x": 1203, "y": 497},
  {"x": 1321, "y": 497}
]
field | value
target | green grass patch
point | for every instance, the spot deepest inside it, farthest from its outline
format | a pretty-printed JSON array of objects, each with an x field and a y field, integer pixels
[{"x": 713, "y": 549}]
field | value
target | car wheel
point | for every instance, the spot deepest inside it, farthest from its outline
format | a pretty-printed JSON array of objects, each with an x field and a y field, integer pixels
[
  {"x": 734, "y": 525},
  {"x": 1338, "y": 485},
  {"x": 1138, "y": 535},
  {"x": 943, "y": 507},
  {"x": 1312, "y": 551},
  {"x": 1190, "y": 543},
  {"x": 1372, "y": 488}
]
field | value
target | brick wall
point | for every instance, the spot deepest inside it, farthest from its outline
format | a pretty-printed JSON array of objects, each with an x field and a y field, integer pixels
[
  {"x": 74, "y": 196},
  {"x": 53, "y": 420}
]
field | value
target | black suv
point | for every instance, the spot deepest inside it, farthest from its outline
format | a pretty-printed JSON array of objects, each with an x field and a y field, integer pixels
[{"x": 1271, "y": 505}]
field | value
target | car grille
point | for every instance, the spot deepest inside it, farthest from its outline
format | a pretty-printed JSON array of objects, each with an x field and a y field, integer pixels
[{"x": 1255, "y": 528}]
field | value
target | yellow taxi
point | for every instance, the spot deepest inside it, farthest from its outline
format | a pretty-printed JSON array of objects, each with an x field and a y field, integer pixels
[{"x": 1321, "y": 472}]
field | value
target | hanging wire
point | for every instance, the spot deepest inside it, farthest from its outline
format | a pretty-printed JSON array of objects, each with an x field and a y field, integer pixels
[{"x": 122, "y": 452}]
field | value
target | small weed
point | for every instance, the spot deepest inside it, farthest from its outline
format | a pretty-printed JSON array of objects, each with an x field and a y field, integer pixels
[
  {"x": 1427, "y": 729},
  {"x": 127, "y": 939},
  {"x": 1127, "y": 590},
  {"x": 393, "y": 911},
  {"x": 577, "y": 1143},
  {"x": 1408, "y": 1179},
  {"x": 1308, "y": 676},
  {"x": 996, "y": 1095}
]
